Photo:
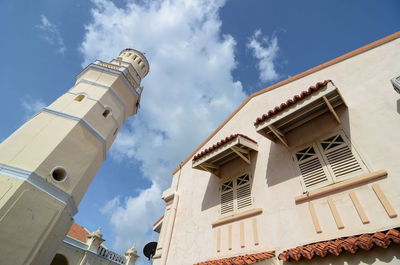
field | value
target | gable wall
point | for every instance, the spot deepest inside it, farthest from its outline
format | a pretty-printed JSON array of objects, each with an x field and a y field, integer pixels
[{"x": 372, "y": 122}]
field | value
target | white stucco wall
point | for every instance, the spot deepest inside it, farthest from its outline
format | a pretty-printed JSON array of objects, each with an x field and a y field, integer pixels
[{"x": 371, "y": 121}]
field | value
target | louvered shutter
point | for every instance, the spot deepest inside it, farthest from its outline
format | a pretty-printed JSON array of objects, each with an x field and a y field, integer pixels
[
  {"x": 243, "y": 192},
  {"x": 227, "y": 198},
  {"x": 312, "y": 168},
  {"x": 340, "y": 159}
]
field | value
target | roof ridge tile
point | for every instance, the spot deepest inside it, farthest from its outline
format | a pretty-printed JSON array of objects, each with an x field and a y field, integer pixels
[
  {"x": 336, "y": 246},
  {"x": 291, "y": 101},
  {"x": 240, "y": 260}
]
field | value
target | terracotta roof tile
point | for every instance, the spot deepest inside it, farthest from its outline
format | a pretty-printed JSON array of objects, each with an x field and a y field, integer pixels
[
  {"x": 292, "y": 101},
  {"x": 240, "y": 260},
  {"x": 336, "y": 247},
  {"x": 78, "y": 232},
  {"x": 219, "y": 144}
]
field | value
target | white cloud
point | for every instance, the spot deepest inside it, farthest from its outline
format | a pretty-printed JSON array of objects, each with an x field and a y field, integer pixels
[
  {"x": 265, "y": 49},
  {"x": 51, "y": 34},
  {"x": 110, "y": 206},
  {"x": 129, "y": 218},
  {"x": 31, "y": 105},
  {"x": 188, "y": 92}
]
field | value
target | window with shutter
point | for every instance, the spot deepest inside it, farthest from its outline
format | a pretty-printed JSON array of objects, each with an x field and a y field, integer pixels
[
  {"x": 243, "y": 191},
  {"x": 312, "y": 168},
  {"x": 342, "y": 161},
  {"x": 326, "y": 161},
  {"x": 236, "y": 195},
  {"x": 227, "y": 197}
]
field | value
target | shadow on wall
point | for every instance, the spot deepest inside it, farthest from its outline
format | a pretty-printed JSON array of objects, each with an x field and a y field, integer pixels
[
  {"x": 210, "y": 198},
  {"x": 281, "y": 166},
  {"x": 375, "y": 256},
  {"x": 398, "y": 106},
  {"x": 234, "y": 168}
]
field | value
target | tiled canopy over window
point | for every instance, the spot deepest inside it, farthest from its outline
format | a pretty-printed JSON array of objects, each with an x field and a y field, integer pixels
[
  {"x": 318, "y": 99},
  {"x": 233, "y": 146}
]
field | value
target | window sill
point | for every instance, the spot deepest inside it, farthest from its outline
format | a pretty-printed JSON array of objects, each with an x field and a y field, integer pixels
[
  {"x": 341, "y": 185},
  {"x": 237, "y": 217}
]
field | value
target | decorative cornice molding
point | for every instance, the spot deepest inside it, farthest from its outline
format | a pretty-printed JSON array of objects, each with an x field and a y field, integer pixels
[
  {"x": 75, "y": 243},
  {"x": 42, "y": 184},
  {"x": 237, "y": 217},
  {"x": 100, "y": 66},
  {"x": 340, "y": 186},
  {"x": 125, "y": 70},
  {"x": 122, "y": 69}
]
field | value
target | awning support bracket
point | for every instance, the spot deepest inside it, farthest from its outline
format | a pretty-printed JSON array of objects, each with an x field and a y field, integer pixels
[
  {"x": 245, "y": 155},
  {"x": 210, "y": 168},
  {"x": 279, "y": 135},
  {"x": 332, "y": 109}
]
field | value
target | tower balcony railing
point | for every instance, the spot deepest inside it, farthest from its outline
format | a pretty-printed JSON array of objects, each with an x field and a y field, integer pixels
[
  {"x": 110, "y": 255},
  {"x": 127, "y": 75}
]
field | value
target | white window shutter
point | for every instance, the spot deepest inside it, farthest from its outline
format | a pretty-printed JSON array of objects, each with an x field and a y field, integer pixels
[
  {"x": 236, "y": 195},
  {"x": 312, "y": 168},
  {"x": 227, "y": 198},
  {"x": 341, "y": 160},
  {"x": 243, "y": 192}
]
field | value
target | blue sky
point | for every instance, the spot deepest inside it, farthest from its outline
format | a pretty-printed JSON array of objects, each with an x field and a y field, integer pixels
[{"x": 205, "y": 58}]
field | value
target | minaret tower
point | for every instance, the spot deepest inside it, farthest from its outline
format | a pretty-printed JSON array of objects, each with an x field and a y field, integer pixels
[{"x": 47, "y": 165}]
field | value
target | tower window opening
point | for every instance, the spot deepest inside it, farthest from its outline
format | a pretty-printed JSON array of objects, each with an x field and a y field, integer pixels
[
  {"x": 139, "y": 61},
  {"x": 134, "y": 57},
  {"x": 79, "y": 98},
  {"x": 129, "y": 54},
  {"x": 59, "y": 174},
  {"x": 106, "y": 113}
]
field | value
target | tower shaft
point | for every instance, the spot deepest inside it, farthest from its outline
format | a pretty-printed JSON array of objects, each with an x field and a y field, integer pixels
[{"x": 47, "y": 165}]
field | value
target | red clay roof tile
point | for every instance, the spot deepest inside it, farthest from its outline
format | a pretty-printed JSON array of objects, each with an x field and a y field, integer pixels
[
  {"x": 240, "y": 260},
  {"x": 78, "y": 232},
  {"x": 350, "y": 244},
  {"x": 290, "y": 102},
  {"x": 219, "y": 144}
]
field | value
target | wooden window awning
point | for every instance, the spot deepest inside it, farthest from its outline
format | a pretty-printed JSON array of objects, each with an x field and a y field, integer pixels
[
  {"x": 236, "y": 145},
  {"x": 157, "y": 226},
  {"x": 317, "y": 100}
]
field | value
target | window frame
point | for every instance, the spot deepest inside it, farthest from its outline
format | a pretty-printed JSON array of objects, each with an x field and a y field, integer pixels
[
  {"x": 323, "y": 159},
  {"x": 328, "y": 175},
  {"x": 235, "y": 187}
]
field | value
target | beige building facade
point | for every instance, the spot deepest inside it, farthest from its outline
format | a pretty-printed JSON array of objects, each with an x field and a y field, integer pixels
[
  {"x": 305, "y": 171},
  {"x": 80, "y": 247},
  {"x": 47, "y": 165}
]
